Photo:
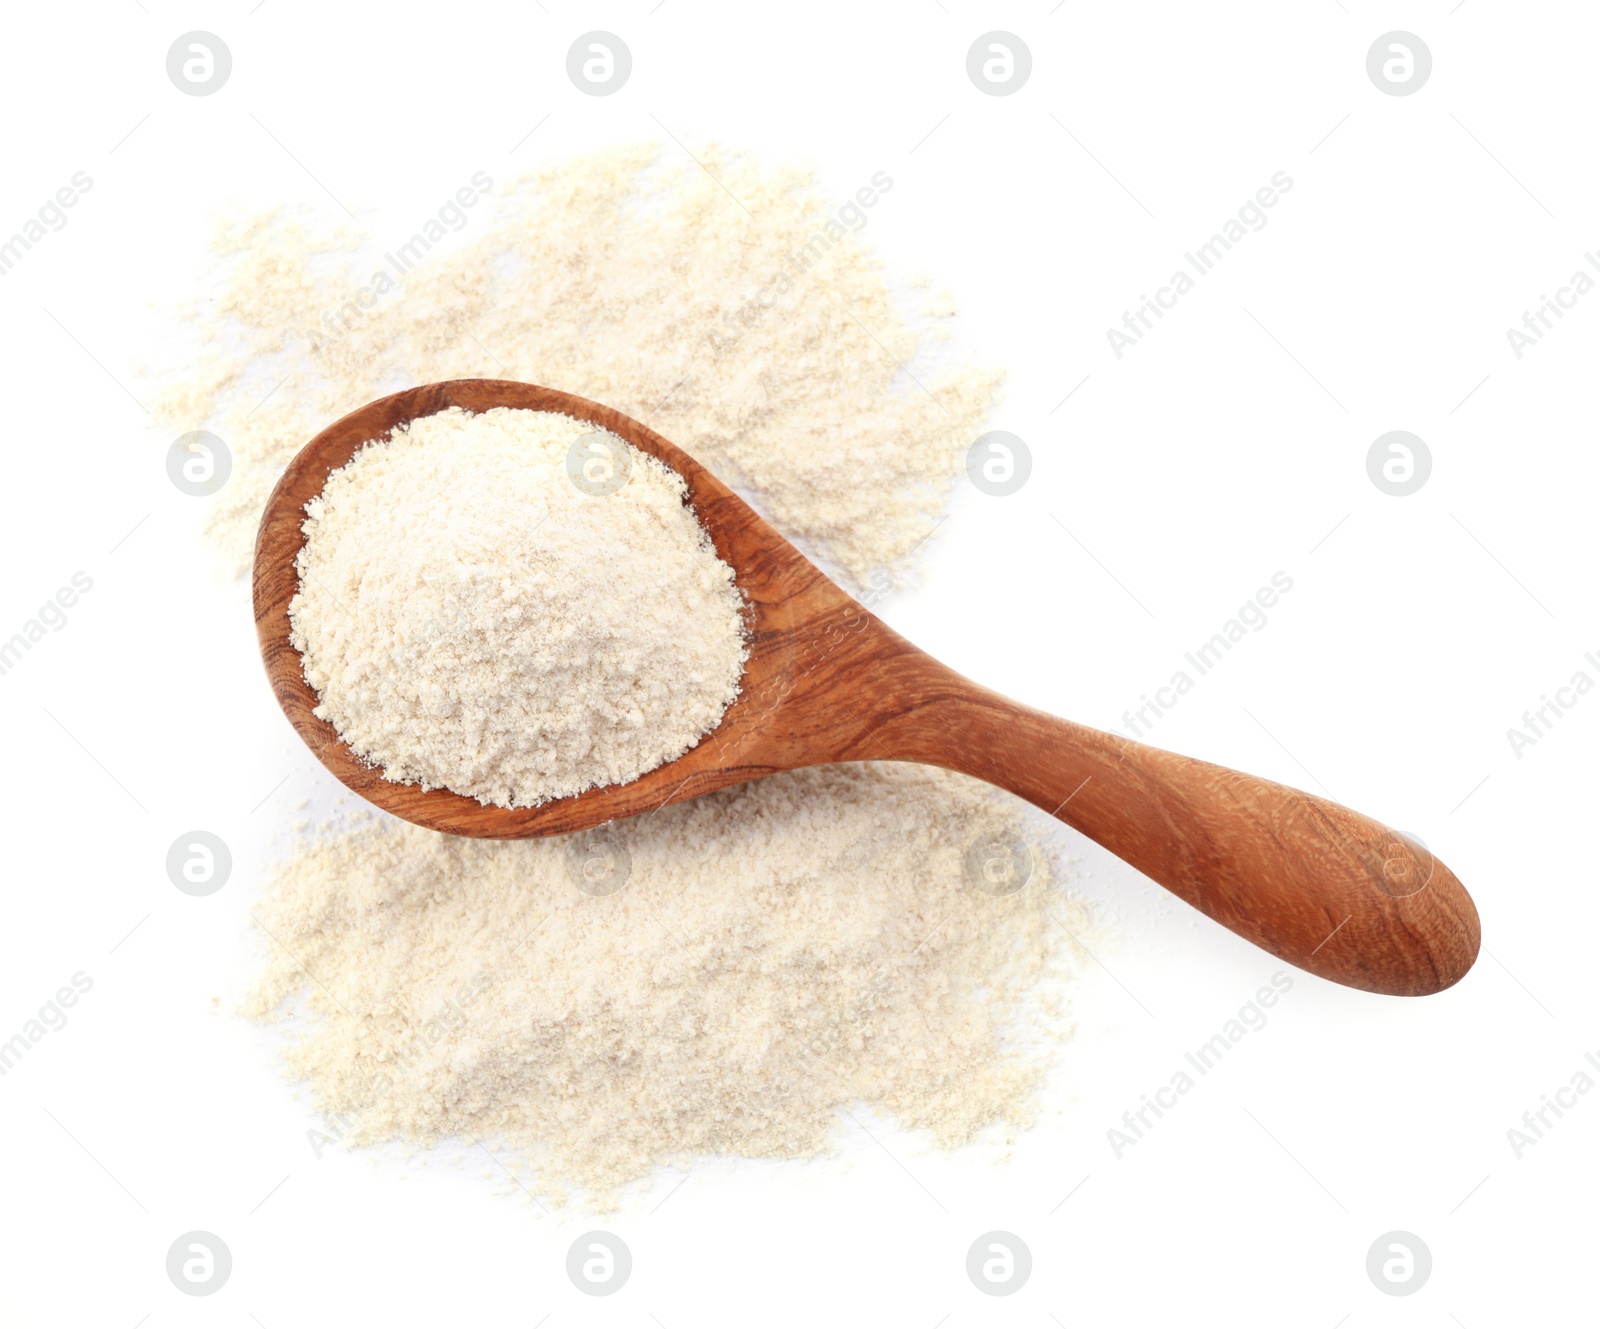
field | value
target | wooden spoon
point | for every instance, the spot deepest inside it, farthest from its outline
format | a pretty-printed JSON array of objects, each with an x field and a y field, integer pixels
[{"x": 1317, "y": 885}]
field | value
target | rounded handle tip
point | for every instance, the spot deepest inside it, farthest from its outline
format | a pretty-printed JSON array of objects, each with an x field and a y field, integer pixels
[{"x": 1410, "y": 929}]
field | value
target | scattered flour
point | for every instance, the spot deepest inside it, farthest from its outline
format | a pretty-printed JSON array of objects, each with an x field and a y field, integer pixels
[
  {"x": 761, "y": 335},
  {"x": 779, "y": 953},
  {"x": 471, "y": 618}
]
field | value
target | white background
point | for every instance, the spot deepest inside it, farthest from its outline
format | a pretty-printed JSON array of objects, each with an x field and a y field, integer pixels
[{"x": 1229, "y": 445}]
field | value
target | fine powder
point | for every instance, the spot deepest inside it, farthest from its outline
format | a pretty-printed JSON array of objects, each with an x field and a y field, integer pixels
[
  {"x": 736, "y": 308},
  {"x": 781, "y": 953},
  {"x": 475, "y": 614},
  {"x": 778, "y": 955}
]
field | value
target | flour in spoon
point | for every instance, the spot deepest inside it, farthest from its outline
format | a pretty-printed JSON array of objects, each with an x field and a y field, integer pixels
[{"x": 486, "y": 607}]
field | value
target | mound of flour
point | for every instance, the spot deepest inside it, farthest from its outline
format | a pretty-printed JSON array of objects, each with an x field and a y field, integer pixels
[
  {"x": 764, "y": 962},
  {"x": 479, "y": 613}
]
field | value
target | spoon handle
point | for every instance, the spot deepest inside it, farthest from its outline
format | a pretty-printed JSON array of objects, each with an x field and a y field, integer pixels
[{"x": 1324, "y": 888}]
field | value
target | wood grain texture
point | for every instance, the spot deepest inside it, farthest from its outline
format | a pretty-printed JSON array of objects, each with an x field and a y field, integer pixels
[{"x": 1318, "y": 885}]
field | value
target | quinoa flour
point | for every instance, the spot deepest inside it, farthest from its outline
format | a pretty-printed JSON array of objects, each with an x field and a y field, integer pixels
[
  {"x": 472, "y": 618},
  {"x": 779, "y": 953},
  {"x": 762, "y": 336}
]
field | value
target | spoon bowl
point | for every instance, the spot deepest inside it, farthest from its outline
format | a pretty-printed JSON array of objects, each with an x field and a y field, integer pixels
[{"x": 1321, "y": 887}]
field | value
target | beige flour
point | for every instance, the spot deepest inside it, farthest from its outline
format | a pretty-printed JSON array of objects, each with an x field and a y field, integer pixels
[
  {"x": 759, "y": 334},
  {"x": 479, "y": 612},
  {"x": 779, "y": 954}
]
